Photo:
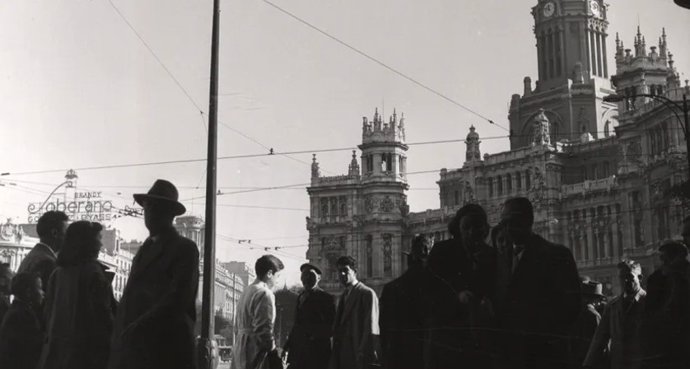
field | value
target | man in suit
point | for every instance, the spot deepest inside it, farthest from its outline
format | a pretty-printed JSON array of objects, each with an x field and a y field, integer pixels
[
  {"x": 404, "y": 312},
  {"x": 309, "y": 343},
  {"x": 542, "y": 296},
  {"x": 356, "y": 327},
  {"x": 620, "y": 325},
  {"x": 5, "y": 288},
  {"x": 21, "y": 335},
  {"x": 585, "y": 326},
  {"x": 42, "y": 259},
  {"x": 155, "y": 320}
]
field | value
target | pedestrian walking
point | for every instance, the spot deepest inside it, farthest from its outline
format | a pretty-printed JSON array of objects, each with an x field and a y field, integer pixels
[
  {"x": 80, "y": 306},
  {"x": 154, "y": 324},
  {"x": 255, "y": 346},
  {"x": 405, "y": 311},
  {"x": 619, "y": 329},
  {"x": 465, "y": 269},
  {"x": 587, "y": 322},
  {"x": 21, "y": 334},
  {"x": 309, "y": 343},
  {"x": 666, "y": 326},
  {"x": 42, "y": 259},
  {"x": 542, "y": 295},
  {"x": 356, "y": 326}
]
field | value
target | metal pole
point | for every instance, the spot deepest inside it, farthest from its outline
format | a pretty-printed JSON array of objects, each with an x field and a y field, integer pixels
[{"x": 205, "y": 359}]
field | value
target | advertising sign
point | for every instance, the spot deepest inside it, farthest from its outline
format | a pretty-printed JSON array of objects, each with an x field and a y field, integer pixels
[{"x": 89, "y": 206}]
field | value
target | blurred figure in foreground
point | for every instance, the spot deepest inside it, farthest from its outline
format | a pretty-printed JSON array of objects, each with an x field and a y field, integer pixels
[
  {"x": 21, "y": 335},
  {"x": 587, "y": 322}
]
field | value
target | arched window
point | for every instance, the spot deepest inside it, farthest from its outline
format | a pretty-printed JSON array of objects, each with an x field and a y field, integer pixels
[
  {"x": 518, "y": 180},
  {"x": 499, "y": 185}
]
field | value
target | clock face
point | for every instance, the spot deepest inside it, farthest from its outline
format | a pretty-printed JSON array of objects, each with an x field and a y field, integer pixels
[
  {"x": 594, "y": 6},
  {"x": 549, "y": 9}
]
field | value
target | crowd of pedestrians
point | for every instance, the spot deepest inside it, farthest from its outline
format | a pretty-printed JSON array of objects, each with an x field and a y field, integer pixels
[{"x": 514, "y": 302}]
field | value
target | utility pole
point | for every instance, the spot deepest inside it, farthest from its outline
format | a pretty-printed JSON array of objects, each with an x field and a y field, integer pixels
[{"x": 205, "y": 346}]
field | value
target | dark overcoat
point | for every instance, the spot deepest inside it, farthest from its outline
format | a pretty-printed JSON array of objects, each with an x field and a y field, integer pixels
[
  {"x": 79, "y": 313},
  {"x": 309, "y": 343},
  {"x": 540, "y": 302},
  {"x": 356, "y": 330},
  {"x": 403, "y": 319},
  {"x": 20, "y": 337},
  {"x": 40, "y": 260},
  {"x": 154, "y": 325}
]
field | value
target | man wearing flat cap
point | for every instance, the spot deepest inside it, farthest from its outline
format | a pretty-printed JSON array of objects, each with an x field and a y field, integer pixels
[
  {"x": 404, "y": 311},
  {"x": 309, "y": 343},
  {"x": 542, "y": 297},
  {"x": 154, "y": 324}
]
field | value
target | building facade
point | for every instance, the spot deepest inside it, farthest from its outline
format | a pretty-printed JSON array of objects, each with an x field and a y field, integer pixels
[{"x": 597, "y": 172}]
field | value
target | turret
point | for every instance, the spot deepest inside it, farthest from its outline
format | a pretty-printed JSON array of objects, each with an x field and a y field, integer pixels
[
  {"x": 315, "y": 172},
  {"x": 353, "y": 169}
]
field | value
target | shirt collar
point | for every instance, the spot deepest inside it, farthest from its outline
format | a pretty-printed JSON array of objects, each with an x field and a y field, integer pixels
[
  {"x": 48, "y": 247},
  {"x": 637, "y": 296}
]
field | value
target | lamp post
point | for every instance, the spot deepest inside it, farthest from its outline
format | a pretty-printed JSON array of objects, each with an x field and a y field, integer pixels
[{"x": 674, "y": 106}]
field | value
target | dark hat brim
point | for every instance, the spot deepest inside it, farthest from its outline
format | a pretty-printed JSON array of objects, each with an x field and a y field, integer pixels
[
  {"x": 308, "y": 266},
  {"x": 176, "y": 206}
]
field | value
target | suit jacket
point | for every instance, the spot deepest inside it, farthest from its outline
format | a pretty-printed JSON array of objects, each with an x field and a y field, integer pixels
[
  {"x": 155, "y": 320},
  {"x": 20, "y": 337},
  {"x": 620, "y": 327},
  {"x": 404, "y": 314},
  {"x": 541, "y": 301},
  {"x": 79, "y": 314},
  {"x": 356, "y": 329},
  {"x": 41, "y": 260},
  {"x": 309, "y": 343}
]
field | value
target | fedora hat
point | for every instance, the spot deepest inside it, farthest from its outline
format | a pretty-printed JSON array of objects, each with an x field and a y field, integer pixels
[
  {"x": 591, "y": 288},
  {"x": 165, "y": 192}
]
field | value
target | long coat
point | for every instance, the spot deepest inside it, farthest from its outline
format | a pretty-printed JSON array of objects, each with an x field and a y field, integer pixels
[
  {"x": 620, "y": 325},
  {"x": 404, "y": 314},
  {"x": 41, "y": 260},
  {"x": 256, "y": 314},
  {"x": 20, "y": 337},
  {"x": 538, "y": 304},
  {"x": 309, "y": 343},
  {"x": 79, "y": 313},
  {"x": 154, "y": 325},
  {"x": 356, "y": 329},
  {"x": 459, "y": 331}
]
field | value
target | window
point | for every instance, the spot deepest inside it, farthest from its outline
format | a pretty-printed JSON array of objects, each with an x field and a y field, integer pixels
[
  {"x": 457, "y": 198},
  {"x": 369, "y": 253},
  {"x": 509, "y": 183},
  {"x": 518, "y": 180},
  {"x": 606, "y": 170},
  {"x": 491, "y": 187},
  {"x": 499, "y": 185},
  {"x": 343, "y": 205},
  {"x": 387, "y": 255},
  {"x": 528, "y": 185}
]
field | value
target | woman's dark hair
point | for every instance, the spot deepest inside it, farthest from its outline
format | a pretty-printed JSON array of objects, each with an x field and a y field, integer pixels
[
  {"x": 267, "y": 263},
  {"x": 81, "y": 243}
]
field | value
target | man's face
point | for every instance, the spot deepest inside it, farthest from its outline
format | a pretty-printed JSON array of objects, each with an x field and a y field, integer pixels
[
  {"x": 665, "y": 258},
  {"x": 518, "y": 228},
  {"x": 273, "y": 279},
  {"x": 59, "y": 235},
  {"x": 630, "y": 281},
  {"x": 309, "y": 279},
  {"x": 472, "y": 229},
  {"x": 347, "y": 275},
  {"x": 503, "y": 241},
  {"x": 156, "y": 215}
]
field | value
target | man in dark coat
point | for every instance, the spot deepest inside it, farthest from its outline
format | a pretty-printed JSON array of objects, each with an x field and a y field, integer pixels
[
  {"x": 463, "y": 270},
  {"x": 21, "y": 335},
  {"x": 154, "y": 323},
  {"x": 309, "y": 343},
  {"x": 542, "y": 296},
  {"x": 666, "y": 330},
  {"x": 42, "y": 259},
  {"x": 404, "y": 312},
  {"x": 585, "y": 326},
  {"x": 5, "y": 290}
]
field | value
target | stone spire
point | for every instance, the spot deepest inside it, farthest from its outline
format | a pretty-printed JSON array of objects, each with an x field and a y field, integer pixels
[
  {"x": 472, "y": 153},
  {"x": 542, "y": 129},
  {"x": 353, "y": 169},
  {"x": 663, "y": 46},
  {"x": 315, "y": 172}
]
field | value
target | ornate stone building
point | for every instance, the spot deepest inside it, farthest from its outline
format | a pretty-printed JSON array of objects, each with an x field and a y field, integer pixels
[{"x": 596, "y": 171}]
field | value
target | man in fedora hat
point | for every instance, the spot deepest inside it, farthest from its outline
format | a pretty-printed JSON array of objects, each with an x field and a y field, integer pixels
[
  {"x": 309, "y": 343},
  {"x": 542, "y": 296},
  {"x": 154, "y": 324},
  {"x": 404, "y": 311},
  {"x": 587, "y": 322}
]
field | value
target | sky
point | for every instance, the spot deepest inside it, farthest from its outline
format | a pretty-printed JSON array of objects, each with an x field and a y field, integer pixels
[{"x": 89, "y": 83}]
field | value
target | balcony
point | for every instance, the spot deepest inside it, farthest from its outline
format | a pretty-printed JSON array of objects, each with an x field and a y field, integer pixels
[{"x": 586, "y": 187}]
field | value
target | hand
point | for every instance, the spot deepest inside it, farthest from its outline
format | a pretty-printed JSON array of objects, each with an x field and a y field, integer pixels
[{"x": 465, "y": 296}]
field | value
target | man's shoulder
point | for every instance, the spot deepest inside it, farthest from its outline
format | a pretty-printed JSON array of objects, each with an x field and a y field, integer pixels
[
  {"x": 552, "y": 249},
  {"x": 184, "y": 244},
  {"x": 322, "y": 294},
  {"x": 364, "y": 289}
]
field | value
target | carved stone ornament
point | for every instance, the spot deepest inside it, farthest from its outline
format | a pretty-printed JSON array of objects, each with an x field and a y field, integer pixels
[
  {"x": 369, "y": 204},
  {"x": 387, "y": 204},
  {"x": 11, "y": 232}
]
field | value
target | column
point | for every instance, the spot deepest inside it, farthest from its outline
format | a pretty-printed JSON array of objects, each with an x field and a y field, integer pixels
[
  {"x": 592, "y": 53},
  {"x": 564, "y": 55},
  {"x": 589, "y": 245},
  {"x": 597, "y": 36},
  {"x": 616, "y": 241},
  {"x": 603, "y": 53}
]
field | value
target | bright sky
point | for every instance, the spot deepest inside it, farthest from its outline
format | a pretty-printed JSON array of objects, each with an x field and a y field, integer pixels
[{"x": 80, "y": 89}]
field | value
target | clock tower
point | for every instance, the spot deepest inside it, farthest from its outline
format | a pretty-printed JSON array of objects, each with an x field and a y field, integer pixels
[{"x": 573, "y": 75}]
